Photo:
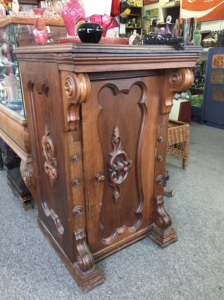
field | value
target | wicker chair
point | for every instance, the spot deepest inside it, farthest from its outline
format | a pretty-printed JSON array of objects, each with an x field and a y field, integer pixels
[{"x": 178, "y": 140}]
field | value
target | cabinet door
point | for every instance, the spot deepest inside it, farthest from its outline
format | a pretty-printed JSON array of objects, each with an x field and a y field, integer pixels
[{"x": 119, "y": 128}]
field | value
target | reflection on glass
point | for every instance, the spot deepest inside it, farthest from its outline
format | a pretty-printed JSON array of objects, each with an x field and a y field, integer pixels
[
  {"x": 12, "y": 36},
  {"x": 10, "y": 88}
]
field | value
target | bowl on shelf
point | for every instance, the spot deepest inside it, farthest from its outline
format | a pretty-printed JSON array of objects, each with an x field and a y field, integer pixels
[
  {"x": 15, "y": 104},
  {"x": 90, "y": 32}
]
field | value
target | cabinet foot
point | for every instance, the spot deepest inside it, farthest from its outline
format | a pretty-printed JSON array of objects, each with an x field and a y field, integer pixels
[
  {"x": 162, "y": 237},
  {"x": 86, "y": 280}
]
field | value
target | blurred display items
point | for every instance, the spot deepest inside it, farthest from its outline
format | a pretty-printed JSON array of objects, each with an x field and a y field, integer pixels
[
  {"x": 136, "y": 3},
  {"x": 14, "y": 35},
  {"x": 2, "y": 10},
  {"x": 208, "y": 42},
  {"x": 132, "y": 38},
  {"x": 133, "y": 21},
  {"x": 58, "y": 6},
  {"x": 199, "y": 75},
  {"x": 105, "y": 21},
  {"x": 152, "y": 14},
  {"x": 10, "y": 87},
  {"x": 219, "y": 35},
  {"x": 166, "y": 39},
  {"x": 15, "y": 5},
  {"x": 40, "y": 32},
  {"x": 196, "y": 100},
  {"x": 125, "y": 11},
  {"x": 71, "y": 14}
]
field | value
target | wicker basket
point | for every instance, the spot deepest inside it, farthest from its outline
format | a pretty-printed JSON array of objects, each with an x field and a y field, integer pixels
[{"x": 178, "y": 140}]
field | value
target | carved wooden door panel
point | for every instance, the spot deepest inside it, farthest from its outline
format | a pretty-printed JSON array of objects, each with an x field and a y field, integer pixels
[{"x": 119, "y": 128}]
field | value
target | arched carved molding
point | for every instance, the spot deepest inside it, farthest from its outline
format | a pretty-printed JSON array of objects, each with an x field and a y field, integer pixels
[
  {"x": 51, "y": 213},
  {"x": 85, "y": 258},
  {"x": 176, "y": 80},
  {"x": 76, "y": 90},
  {"x": 116, "y": 190},
  {"x": 161, "y": 217}
]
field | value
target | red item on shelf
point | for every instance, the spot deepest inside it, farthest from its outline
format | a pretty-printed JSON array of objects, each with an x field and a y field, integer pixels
[
  {"x": 115, "y": 8},
  {"x": 104, "y": 40},
  {"x": 71, "y": 14}
]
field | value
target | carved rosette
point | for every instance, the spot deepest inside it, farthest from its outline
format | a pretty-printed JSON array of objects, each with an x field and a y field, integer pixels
[
  {"x": 163, "y": 220},
  {"x": 77, "y": 90},
  {"x": 48, "y": 152},
  {"x": 119, "y": 165},
  {"x": 176, "y": 80},
  {"x": 84, "y": 257}
]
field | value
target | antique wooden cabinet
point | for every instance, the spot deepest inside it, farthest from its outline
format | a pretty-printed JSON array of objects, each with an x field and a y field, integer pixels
[{"x": 97, "y": 118}]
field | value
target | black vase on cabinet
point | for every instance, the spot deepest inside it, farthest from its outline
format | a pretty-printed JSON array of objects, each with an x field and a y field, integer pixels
[{"x": 90, "y": 32}]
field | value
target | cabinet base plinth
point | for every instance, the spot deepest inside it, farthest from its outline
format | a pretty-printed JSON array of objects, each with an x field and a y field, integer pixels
[
  {"x": 162, "y": 237},
  {"x": 87, "y": 280}
]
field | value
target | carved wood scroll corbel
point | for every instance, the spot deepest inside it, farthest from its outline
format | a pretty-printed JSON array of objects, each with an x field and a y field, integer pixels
[
  {"x": 119, "y": 165},
  {"x": 163, "y": 220},
  {"x": 84, "y": 257},
  {"x": 76, "y": 90},
  {"x": 177, "y": 80},
  {"x": 26, "y": 171},
  {"x": 50, "y": 165}
]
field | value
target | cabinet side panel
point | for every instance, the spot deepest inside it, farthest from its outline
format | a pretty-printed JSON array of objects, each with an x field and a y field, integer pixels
[{"x": 43, "y": 105}]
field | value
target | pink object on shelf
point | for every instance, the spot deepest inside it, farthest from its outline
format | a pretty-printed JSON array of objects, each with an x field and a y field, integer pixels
[
  {"x": 7, "y": 55},
  {"x": 2, "y": 10},
  {"x": 40, "y": 33},
  {"x": 105, "y": 21},
  {"x": 104, "y": 40},
  {"x": 12, "y": 88},
  {"x": 71, "y": 14}
]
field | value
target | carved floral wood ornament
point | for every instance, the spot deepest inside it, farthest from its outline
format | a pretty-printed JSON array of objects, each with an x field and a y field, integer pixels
[
  {"x": 48, "y": 151},
  {"x": 119, "y": 165}
]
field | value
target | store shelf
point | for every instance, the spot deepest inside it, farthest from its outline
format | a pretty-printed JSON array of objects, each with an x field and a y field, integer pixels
[
  {"x": 197, "y": 88},
  {"x": 135, "y": 15},
  {"x": 7, "y": 20},
  {"x": 133, "y": 27}
]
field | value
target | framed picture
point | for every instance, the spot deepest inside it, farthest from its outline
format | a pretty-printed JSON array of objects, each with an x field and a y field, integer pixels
[
  {"x": 145, "y": 2},
  {"x": 152, "y": 14}
]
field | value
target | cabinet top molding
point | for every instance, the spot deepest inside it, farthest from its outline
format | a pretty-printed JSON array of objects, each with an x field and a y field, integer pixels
[{"x": 108, "y": 58}]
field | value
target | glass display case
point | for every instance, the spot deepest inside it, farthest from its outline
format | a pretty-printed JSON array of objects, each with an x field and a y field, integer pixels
[
  {"x": 10, "y": 85},
  {"x": 14, "y": 35}
]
